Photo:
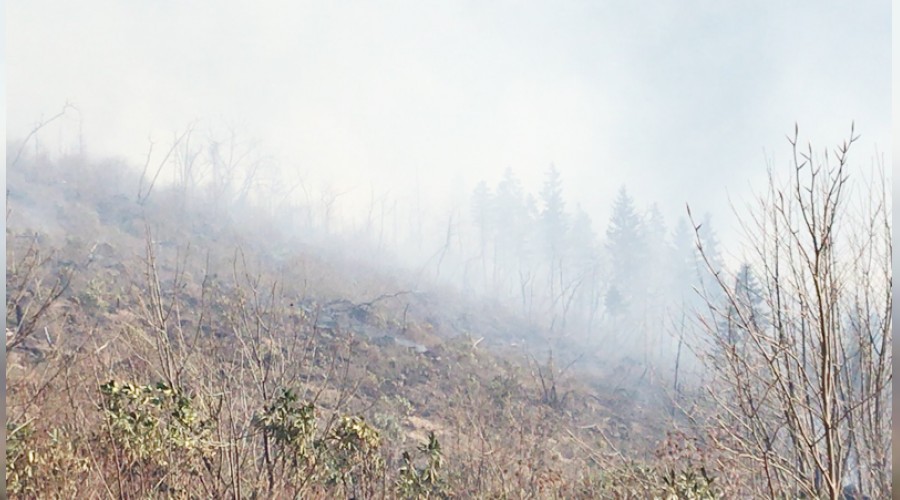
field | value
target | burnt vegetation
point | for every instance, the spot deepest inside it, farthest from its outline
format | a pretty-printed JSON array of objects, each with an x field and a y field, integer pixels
[{"x": 167, "y": 337}]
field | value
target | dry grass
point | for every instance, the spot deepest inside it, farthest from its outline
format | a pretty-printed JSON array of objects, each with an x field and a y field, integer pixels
[{"x": 161, "y": 369}]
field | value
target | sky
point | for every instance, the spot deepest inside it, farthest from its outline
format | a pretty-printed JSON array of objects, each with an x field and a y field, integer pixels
[{"x": 680, "y": 101}]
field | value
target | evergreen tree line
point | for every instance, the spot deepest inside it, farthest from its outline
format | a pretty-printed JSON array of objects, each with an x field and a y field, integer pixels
[{"x": 633, "y": 279}]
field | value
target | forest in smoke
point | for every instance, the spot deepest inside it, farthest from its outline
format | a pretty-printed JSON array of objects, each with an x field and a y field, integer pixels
[
  {"x": 629, "y": 339},
  {"x": 448, "y": 250},
  {"x": 535, "y": 250}
]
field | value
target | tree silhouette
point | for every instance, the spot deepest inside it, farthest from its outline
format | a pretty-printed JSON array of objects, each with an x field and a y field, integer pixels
[{"x": 625, "y": 247}]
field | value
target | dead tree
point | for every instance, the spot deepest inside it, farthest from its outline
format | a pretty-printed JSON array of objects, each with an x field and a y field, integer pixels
[{"x": 805, "y": 399}]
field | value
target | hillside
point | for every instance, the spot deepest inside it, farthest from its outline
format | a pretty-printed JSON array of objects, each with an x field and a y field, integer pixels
[{"x": 165, "y": 350}]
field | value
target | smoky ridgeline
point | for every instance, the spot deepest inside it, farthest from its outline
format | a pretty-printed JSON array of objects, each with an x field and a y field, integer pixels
[{"x": 200, "y": 294}]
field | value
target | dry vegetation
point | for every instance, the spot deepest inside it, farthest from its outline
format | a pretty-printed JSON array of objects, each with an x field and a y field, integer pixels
[{"x": 156, "y": 352}]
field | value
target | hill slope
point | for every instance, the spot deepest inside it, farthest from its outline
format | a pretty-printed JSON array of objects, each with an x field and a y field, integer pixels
[{"x": 181, "y": 351}]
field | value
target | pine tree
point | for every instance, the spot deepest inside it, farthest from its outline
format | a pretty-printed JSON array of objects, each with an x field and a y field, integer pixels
[
  {"x": 512, "y": 223},
  {"x": 553, "y": 216},
  {"x": 625, "y": 247},
  {"x": 658, "y": 250},
  {"x": 582, "y": 240},
  {"x": 554, "y": 226},
  {"x": 748, "y": 304},
  {"x": 654, "y": 300}
]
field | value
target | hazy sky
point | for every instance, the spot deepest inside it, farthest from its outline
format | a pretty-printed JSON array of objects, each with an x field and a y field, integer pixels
[{"x": 677, "y": 99}]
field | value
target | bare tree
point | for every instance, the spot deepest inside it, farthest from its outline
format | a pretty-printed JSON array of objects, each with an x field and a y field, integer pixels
[
  {"x": 234, "y": 165},
  {"x": 37, "y": 128},
  {"x": 188, "y": 170},
  {"x": 806, "y": 396},
  {"x": 33, "y": 287},
  {"x": 144, "y": 193}
]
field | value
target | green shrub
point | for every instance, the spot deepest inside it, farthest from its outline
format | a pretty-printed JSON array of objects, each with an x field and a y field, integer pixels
[
  {"x": 292, "y": 427},
  {"x": 423, "y": 482},
  {"x": 152, "y": 421},
  {"x": 689, "y": 485}
]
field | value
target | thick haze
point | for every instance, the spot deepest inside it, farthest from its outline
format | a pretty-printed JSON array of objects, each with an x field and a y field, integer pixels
[{"x": 678, "y": 100}]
